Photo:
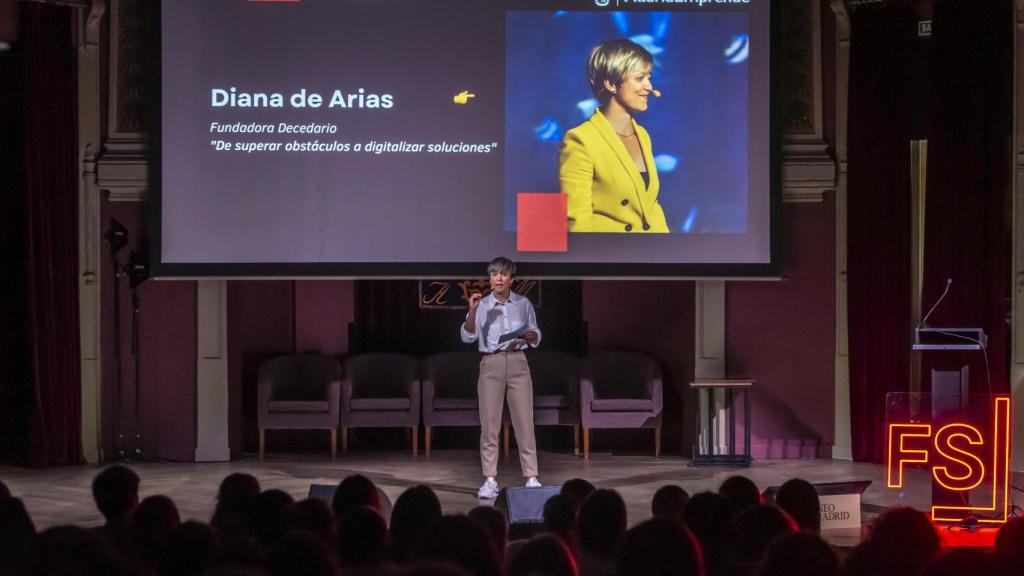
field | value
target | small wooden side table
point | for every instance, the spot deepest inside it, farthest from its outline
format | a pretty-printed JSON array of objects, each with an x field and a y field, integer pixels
[{"x": 707, "y": 428}]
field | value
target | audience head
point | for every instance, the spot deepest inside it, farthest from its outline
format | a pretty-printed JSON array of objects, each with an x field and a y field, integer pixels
[
  {"x": 413, "y": 512},
  {"x": 155, "y": 519},
  {"x": 431, "y": 568},
  {"x": 799, "y": 554},
  {"x": 116, "y": 492},
  {"x": 355, "y": 491},
  {"x": 188, "y": 550},
  {"x": 313, "y": 516},
  {"x": 560, "y": 518},
  {"x": 901, "y": 541},
  {"x": 362, "y": 537},
  {"x": 232, "y": 518},
  {"x": 961, "y": 561},
  {"x": 300, "y": 552},
  {"x": 1009, "y": 550},
  {"x": 578, "y": 489},
  {"x": 601, "y": 522},
  {"x": 268, "y": 512},
  {"x": 741, "y": 492},
  {"x": 495, "y": 524},
  {"x": 543, "y": 555},
  {"x": 238, "y": 486},
  {"x": 71, "y": 550},
  {"x": 756, "y": 527},
  {"x": 659, "y": 547},
  {"x": 709, "y": 516},
  {"x": 241, "y": 552},
  {"x": 669, "y": 502},
  {"x": 462, "y": 541},
  {"x": 16, "y": 533},
  {"x": 800, "y": 500},
  {"x": 906, "y": 532}
]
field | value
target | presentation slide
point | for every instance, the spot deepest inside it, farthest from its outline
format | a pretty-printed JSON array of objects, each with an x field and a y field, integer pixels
[{"x": 418, "y": 138}]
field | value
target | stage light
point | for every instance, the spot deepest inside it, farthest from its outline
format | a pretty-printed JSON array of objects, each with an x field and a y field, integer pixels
[
  {"x": 116, "y": 235},
  {"x": 138, "y": 269}
]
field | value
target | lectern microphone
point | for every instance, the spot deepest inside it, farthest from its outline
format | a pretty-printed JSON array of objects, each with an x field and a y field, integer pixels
[{"x": 924, "y": 321}]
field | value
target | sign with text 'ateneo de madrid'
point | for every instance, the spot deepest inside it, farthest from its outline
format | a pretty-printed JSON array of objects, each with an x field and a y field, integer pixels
[{"x": 964, "y": 441}]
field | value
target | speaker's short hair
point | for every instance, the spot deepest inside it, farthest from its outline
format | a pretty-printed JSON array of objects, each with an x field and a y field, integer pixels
[
  {"x": 501, "y": 265},
  {"x": 613, "y": 61}
]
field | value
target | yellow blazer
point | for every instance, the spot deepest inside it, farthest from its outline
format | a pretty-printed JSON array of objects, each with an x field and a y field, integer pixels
[{"x": 605, "y": 190}]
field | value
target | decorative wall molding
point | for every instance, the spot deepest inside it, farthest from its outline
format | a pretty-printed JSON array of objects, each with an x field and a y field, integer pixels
[
  {"x": 212, "y": 372},
  {"x": 123, "y": 168},
  {"x": 808, "y": 170},
  {"x": 843, "y": 445},
  {"x": 88, "y": 39},
  {"x": 709, "y": 338},
  {"x": 1017, "y": 181},
  {"x": 125, "y": 178}
]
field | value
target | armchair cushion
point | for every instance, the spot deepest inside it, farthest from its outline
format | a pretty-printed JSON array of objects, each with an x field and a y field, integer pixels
[
  {"x": 456, "y": 403},
  {"x": 552, "y": 401},
  {"x": 299, "y": 391},
  {"x": 297, "y": 406},
  {"x": 622, "y": 405},
  {"x": 380, "y": 403},
  {"x": 380, "y": 390},
  {"x": 620, "y": 390}
]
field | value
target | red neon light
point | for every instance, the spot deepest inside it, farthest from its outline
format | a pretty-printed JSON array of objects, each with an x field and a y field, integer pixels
[
  {"x": 897, "y": 434},
  {"x": 957, "y": 446},
  {"x": 1000, "y": 475},
  {"x": 974, "y": 467}
]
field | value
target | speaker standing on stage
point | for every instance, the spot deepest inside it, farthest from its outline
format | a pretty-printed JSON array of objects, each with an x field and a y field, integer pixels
[{"x": 503, "y": 324}]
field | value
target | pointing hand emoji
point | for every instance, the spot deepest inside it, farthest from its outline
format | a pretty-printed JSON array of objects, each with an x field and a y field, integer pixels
[{"x": 463, "y": 97}]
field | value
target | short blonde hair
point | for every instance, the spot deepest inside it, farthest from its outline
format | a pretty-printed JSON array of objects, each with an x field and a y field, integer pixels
[{"x": 612, "y": 61}]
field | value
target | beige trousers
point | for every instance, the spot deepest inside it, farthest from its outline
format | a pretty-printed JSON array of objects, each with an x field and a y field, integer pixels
[{"x": 506, "y": 374}]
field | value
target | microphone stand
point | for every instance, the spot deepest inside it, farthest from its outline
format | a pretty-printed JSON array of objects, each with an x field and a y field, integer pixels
[
  {"x": 136, "y": 306},
  {"x": 119, "y": 448}
]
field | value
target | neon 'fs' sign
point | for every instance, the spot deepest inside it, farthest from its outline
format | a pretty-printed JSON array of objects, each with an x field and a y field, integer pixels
[{"x": 961, "y": 459}]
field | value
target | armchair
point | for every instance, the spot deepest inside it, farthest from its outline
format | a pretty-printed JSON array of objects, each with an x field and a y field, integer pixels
[
  {"x": 380, "y": 391},
  {"x": 299, "y": 392},
  {"x": 449, "y": 391},
  {"x": 621, "y": 390}
]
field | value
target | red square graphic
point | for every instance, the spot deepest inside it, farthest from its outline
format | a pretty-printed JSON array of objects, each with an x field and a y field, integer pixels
[{"x": 543, "y": 223}]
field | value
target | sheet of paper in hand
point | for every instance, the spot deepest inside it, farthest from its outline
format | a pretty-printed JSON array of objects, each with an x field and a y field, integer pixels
[{"x": 513, "y": 334}]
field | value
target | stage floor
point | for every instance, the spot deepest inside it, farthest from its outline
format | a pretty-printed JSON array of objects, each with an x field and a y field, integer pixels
[{"x": 63, "y": 496}]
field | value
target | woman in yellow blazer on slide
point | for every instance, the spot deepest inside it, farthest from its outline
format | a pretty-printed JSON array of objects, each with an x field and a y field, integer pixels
[{"x": 605, "y": 165}]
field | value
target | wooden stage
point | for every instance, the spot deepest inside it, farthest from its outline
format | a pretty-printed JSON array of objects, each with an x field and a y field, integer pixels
[{"x": 62, "y": 495}]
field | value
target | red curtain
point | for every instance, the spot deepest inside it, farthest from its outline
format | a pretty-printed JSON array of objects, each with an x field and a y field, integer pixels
[
  {"x": 42, "y": 376},
  {"x": 968, "y": 212},
  {"x": 878, "y": 195}
]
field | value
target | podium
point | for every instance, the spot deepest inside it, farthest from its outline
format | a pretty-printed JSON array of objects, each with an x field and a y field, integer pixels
[{"x": 716, "y": 425}]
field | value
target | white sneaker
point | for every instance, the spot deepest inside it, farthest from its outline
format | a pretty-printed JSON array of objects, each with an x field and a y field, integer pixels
[
  {"x": 489, "y": 489},
  {"x": 532, "y": 482}
]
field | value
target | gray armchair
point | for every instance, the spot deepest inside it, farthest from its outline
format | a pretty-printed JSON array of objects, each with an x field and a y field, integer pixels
[
  {"x": 620, "y": 390},
  {"x": 299, "y": 392},
  {"x": 556, "y": 400},
  {"x": 449, "y": 391},
  {"x": 380, "y": 391}
]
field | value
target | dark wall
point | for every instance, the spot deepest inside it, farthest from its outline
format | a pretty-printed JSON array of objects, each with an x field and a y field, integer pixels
[
  {"x": 261, "y": 325},
  {"x": 656, "y": 317},
  {"x": 782, "y": 334},
  {"x": 166, "y": 352}
]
